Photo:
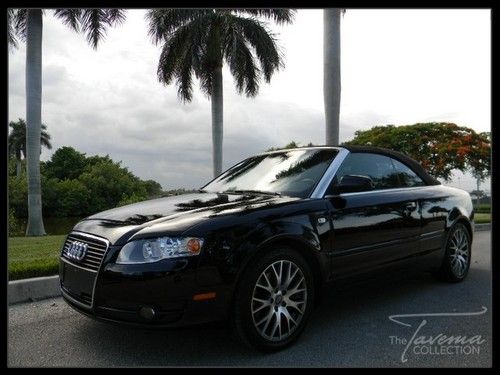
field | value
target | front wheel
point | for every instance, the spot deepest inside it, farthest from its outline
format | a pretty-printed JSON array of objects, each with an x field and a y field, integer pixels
[
  {"x": 456, "y": 261},
  {"x": 273, "y": 300}
]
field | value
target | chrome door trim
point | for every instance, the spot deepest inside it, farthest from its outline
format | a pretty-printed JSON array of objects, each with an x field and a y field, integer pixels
[{"x": 386, "y": 190}]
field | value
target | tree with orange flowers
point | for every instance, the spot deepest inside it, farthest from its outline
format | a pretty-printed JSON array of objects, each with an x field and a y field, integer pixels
[{"x": 439, "y": 147}]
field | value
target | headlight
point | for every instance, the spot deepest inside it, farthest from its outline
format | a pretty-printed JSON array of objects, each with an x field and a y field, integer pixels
[{"x": 155, "y": 249}]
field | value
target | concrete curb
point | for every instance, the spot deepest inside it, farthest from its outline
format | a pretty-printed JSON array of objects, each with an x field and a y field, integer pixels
[
  {"x": 39, "y": 288},
  {"x": 33, "y": 289},
  {"x": 481, "y": 227}
]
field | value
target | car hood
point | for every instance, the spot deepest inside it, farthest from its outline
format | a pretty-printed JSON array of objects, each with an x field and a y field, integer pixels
[{"x": 174, "y": 214}]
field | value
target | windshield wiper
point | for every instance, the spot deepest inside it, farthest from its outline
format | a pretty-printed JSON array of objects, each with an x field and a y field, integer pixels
[{"x": 253, "y": 192}]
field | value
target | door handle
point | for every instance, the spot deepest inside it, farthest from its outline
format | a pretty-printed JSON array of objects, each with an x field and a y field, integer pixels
[{"x": 411, "y": 205}]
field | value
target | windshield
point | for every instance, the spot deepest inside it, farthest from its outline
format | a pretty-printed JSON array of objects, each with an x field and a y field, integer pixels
[{"x": 293, "y": 173}]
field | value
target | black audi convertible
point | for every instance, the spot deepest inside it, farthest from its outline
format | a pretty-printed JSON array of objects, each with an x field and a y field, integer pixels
[{"x": 255, "y": 245}]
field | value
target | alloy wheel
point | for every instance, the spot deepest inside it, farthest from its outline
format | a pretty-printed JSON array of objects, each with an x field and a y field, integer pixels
[
  {"x": 459, "y": 252},
  {"x": 279, "y": 300}
]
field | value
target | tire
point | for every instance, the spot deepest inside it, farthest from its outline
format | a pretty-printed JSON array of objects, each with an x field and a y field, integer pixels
[
  {"x": 255, "y": 322},
  {"x": 456, "y": 261}
]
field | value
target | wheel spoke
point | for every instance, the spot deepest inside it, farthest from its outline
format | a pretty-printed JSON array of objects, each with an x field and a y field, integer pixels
[
  {"x": 266, "y": 319},
  {"x": 277, "y": 325},
  {"x": 267, "y": 288},
  {"x": 295, "y": 305},
  {"x": 277, "y": 274},
  {"x": 290, "y": 278},
  {"x": 289, "y": 318}
]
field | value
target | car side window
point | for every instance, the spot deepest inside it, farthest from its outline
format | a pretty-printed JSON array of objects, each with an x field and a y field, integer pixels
[
  {"x": 378, "y": 167},
  {"x": 407, "y": 177}
]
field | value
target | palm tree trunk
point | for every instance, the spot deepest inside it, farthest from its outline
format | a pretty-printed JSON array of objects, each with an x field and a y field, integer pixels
[
  {"x": 217, "y": 120},
  {"x": 33, "y": 120},
  {"x": 331, "y": 73}
]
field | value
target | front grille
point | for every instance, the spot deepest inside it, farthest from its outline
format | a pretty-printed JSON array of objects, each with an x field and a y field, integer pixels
[{"x": 96, "y": 249}]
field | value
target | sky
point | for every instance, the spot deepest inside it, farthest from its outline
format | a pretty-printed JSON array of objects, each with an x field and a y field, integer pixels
[{"x": 398, "y": 67}]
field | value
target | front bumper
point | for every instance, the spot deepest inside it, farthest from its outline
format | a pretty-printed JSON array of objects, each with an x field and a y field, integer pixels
[{"x": 117, "y": 293}]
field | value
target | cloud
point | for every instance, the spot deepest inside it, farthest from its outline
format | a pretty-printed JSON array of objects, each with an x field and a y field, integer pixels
[{"x": 109, "y": 101}]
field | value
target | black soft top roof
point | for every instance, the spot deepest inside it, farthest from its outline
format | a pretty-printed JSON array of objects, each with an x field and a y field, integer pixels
[{"x": 414, "y": 165}]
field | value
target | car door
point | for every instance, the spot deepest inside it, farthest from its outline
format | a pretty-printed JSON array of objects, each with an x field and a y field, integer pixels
[
  {"x": 372, "y": 228},
  {"x": 432, "y": 202}
]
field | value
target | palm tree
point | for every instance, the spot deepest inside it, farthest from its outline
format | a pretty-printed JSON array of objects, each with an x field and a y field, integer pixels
[
  {"x": 331, "y": 73},
  {"x": 199, "y": 41},
  {"x": 17, "y": 141},
  {"x": 27, "y": 24}
]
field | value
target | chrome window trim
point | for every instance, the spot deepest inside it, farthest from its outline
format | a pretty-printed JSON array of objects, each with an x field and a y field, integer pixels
[
  {"x": 83, "y": 234},
  {"x": 386, "y": 190},
  {"x": 320, "y": 189}
]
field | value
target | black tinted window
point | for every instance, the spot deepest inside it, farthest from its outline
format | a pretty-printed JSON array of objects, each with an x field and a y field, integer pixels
[
  {"x": 378, "y": 167},
  {"x": 407, "y": 177},
  {"x": 294, "y": 172}
]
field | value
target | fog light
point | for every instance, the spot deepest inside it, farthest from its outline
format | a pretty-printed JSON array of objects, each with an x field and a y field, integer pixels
[{"x": 147, "y": 312}]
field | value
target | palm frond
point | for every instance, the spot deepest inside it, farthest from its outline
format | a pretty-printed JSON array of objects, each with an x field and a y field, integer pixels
[
  {"x": 182, "y": 54},
  {"x": 11, "y": 30},
  {"x": 263, "y": 42},
  {"x": 95, "y": 21},
  {"x": 163, "y": 22},
  {"x": 171, "y": 54},
  {"x": 115, "y": 16},
  {"x": 184, "y": 78},
  {"x": 280, "y": 16},
  {"x": 19, "y": 23},
  {"x": 241, "y": 62},
  {"x": 70, "y": 17},
  {"x": 45, "y": 137}
]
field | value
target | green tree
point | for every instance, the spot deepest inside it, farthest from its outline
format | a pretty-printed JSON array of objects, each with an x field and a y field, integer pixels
[
  {"x": 481, "y": 165},
  {"x": 18, "y": 193},
  {"x": 66, "y": 163},
  {"x": 74, "y": 198},
  {"x": 438, "y": 147},
  {"x": 153, "y": 188},
  {"x": 27, "y": 24},
  {"x": 108, "y": 183},
  {"x": 75, "y": 185},
  {"x": 17, "y": 141},
  {"x": 200, "y": 40}
]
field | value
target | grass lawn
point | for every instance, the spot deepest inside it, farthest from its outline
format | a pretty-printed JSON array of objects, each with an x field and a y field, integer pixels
[
  {"x": 34, "y": 256},
  {"x": 482, "y": 218}
]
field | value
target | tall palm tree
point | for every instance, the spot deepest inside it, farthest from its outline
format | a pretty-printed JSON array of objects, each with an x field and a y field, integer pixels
[
  {"x": 17, "y": 141},
  {"x": 199, "y": 41},
  {"x": 331, "y": 73},
  {"x": 27, "y": 24}
]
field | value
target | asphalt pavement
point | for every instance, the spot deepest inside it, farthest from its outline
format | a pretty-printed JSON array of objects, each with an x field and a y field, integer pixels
[{"x": 393, "y": 320}]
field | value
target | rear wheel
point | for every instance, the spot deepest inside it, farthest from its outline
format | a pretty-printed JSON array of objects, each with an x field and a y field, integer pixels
[
  {"x": 273, "y": 300},
  {"x": 456, "y": 261}
]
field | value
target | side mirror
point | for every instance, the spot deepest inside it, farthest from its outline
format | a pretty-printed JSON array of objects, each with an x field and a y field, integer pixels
[{"x": 353, "y": 184}]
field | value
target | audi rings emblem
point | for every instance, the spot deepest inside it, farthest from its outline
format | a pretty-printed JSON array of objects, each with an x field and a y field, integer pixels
[{"x": 77, "y": 250}]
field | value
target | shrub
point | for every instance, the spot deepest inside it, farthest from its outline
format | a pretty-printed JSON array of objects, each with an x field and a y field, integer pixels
[{"x": 14, "y": 227}]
